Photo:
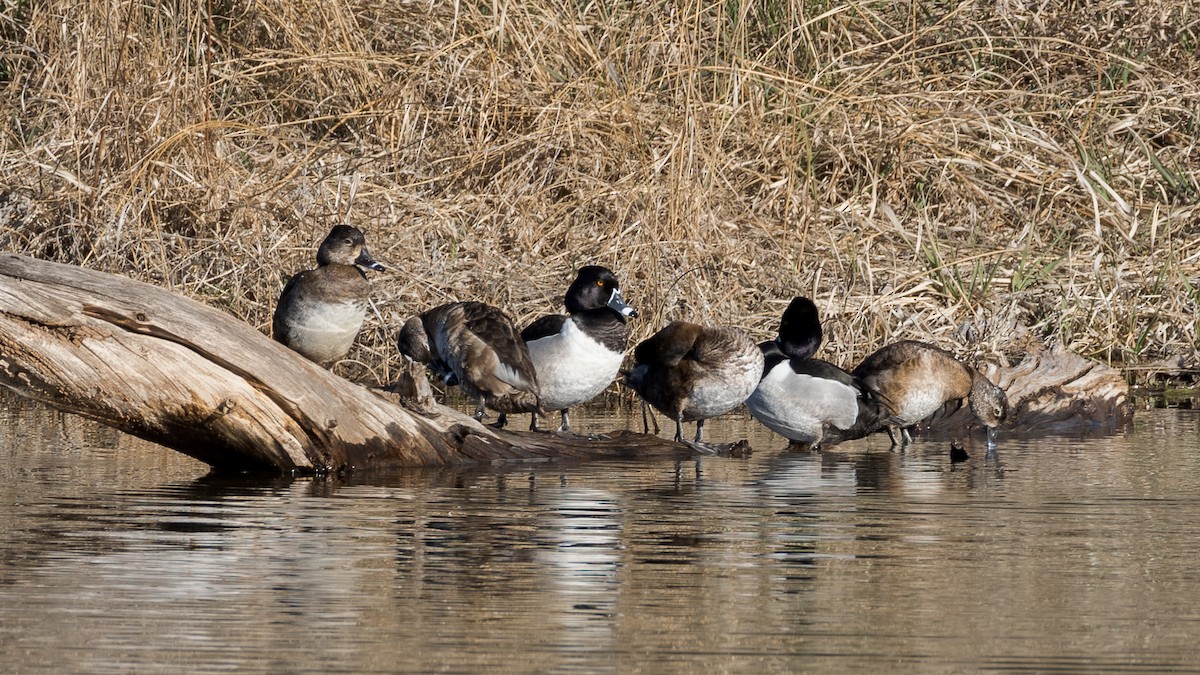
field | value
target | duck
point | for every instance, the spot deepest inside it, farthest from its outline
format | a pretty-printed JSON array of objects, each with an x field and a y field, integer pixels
[
  {"x": 477, "y": 347},
  {"x": 690, "y": 372},
  {"x": 811, "y": 402},
  {"x": 320, "y": 311},
  {"x": 579, "y": 354},
  {"x": 918, "y": 380}
]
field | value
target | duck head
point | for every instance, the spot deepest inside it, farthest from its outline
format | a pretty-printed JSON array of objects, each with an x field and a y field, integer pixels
[
  {"x": 346, "y": 245},
  {"x": 595, "y": 287}
]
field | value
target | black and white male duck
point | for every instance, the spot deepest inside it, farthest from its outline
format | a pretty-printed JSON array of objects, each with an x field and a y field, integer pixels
[
  {"x": 919, "y": 380},
  {"x": 811, "y": 402},
  {"x": 320, "y": 311},
  {"x": 579, "y": 354},
  {"x": 476, "y": 346},
  {"x": 690, "y": 372}
]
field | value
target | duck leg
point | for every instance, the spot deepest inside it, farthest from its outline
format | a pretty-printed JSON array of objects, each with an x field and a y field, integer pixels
[
  {"x": 904, "y": 438},
  {"x": 565, "y": 429},
  {"x": 480, "y": 414},
  {"x": 698, "y": 443},
  {"x": 647, "y": 418}
]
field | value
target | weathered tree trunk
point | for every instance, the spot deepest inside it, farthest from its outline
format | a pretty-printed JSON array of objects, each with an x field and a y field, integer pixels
[
  {"x": 193, "y": 378},
  {"x": 197, "y": 380},
  {"x": 1050, "y": 391},
  {"x": 1058, "y": 390}
]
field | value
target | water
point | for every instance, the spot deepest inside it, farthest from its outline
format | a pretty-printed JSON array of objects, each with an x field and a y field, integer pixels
[{"x": 1053, "y": 555}]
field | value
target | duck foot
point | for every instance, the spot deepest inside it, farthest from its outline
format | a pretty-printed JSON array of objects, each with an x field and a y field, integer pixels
[{"x": 736, "y": 449}]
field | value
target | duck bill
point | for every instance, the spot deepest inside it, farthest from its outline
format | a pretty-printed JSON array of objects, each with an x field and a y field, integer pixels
[
  {"x": 617, "y": 304},
  {"x": 991, "y": 436},
  {"x": 365, "y": 261}
]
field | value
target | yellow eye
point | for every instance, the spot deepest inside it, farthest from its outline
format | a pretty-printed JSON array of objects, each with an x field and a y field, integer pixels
[{"x": 600, "y": 284}]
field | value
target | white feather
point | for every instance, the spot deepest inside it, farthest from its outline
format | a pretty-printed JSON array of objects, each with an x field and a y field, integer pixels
[
  {"x": 572, "y": 368},
  {"x": 798, "y": 406},
  {"x": 326, "y": 331}
]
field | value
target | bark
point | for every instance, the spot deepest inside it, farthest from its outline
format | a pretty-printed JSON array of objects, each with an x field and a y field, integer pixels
[
  {"x": 197, "y": 380},
  {"x": 1050, "y": 391}
]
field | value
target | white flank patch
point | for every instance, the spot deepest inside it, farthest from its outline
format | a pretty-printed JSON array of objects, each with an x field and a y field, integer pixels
[
  {"x": 920, "y": 404},
  {"x": 718, "y": 393},
  {"x": 798, "y": 407},
  {"x": 572, "y": 368}
]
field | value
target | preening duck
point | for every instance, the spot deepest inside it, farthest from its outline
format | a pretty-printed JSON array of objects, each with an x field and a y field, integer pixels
[
  {"x": 690, "y": 372},
  {"x": 476, "y": 346},
  {"x": 806, "y": 400}
]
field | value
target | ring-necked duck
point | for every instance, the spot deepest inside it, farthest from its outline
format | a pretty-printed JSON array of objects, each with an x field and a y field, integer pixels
[
  {"x": 917, "y": 380},
  {"x": 320, "y": 311},
  {"x": 809, "y": 401},
  {"x": 477, "y": 347},
  {"x": 692, "y": 372},
  {"x": 577, "y": 356}
]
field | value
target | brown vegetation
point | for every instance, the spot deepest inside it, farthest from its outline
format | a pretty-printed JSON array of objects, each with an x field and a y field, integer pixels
[{"x": 983, "y": 175}]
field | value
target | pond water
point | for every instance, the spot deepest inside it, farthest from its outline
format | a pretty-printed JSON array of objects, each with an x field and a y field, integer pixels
[{"x": 1052, "y": 554}]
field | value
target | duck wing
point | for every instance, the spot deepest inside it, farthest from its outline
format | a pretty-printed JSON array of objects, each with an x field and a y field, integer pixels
[
  {"x": 668, "y": 346},
  {"x": 282, "y": 306},
  {"x": 718, "y": 345},
  {"x": 857, "y": 409},
  {"x": 488, "y": 343},
  {"x": 551, "y": 324},
  {"x": 884, "y": 358}
]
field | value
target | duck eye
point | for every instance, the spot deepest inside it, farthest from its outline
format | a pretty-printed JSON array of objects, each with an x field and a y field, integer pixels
[
  {"x": 348, "y": 242},
  {"x": 600, "y": 284}
]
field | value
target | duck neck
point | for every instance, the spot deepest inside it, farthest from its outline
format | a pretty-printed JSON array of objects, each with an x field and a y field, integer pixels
[
  {"x": 800, "y": 346},
  {"x": 987, "y": 401}
]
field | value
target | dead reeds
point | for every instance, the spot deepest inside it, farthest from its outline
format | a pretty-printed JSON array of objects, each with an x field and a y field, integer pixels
[{"x": 982, "y": 175}]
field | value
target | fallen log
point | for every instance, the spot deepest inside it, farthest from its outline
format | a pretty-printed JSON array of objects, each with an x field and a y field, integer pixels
[
  {"x": 1052, "y": 390},
  {"x": 195, "y": 379},
  {"x": 1058, "y": 390}
]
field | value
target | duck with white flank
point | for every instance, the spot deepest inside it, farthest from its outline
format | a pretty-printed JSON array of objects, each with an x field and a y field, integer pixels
[
  {"x": 578, "y": 355},
  {"x": 809, "y": 401}
]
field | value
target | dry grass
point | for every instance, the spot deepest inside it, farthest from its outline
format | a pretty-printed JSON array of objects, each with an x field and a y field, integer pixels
[{"x": 983, "y": 175}]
